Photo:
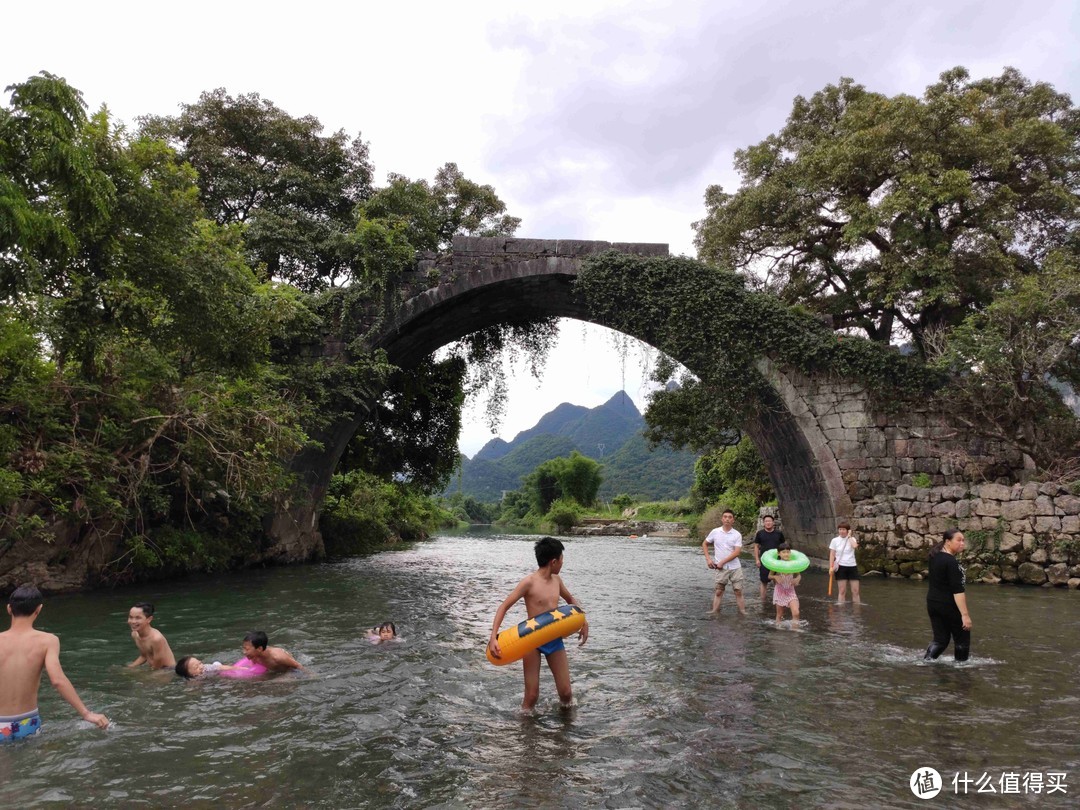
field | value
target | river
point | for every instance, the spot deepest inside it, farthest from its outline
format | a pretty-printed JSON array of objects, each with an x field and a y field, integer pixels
[{"x": 673, "y": 708}]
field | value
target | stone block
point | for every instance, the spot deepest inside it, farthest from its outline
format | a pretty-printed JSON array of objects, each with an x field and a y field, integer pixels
[
  {"x": 1073, "y": 583},
  {"x": 936, "y": 525},
  {"x": 1038, "y": 556},
  {"x": 945, "y": 509},
  {"x": 990, "y": 524},
  {"x": 538, "y": 247},
  {"x": 1031, "y": 574},
  {"x": 907, "y": 492},
  {"x": 1017, "y": 510},
  {"x": 986, "y": 508},
  {"x": 1009, "y": 573},
  {"x": 1047, "y": 524},
  {"x": 1067, "y": 504},
  {"x": 1070, "y": 524},
  {"x": 928, "y": 465},
  {"x": 1044, "y": 505},
  {"x": 1010, "y": 542},
  {"x": 953, "y": 492},
  {"x": 641, "y": 248},
  {"x": 478, "y": 244},
  {"x": 914, "y": 540},
  {"x": 573, "y": 248},
  {"x": 996, "y": 492},
  {"x": 856, "y": 419},
  {"x": 1020, "y": 526},
  {"x": 1028, "y": 492}
]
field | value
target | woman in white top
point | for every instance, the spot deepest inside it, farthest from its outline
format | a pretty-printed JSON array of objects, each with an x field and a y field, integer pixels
[{"x": 842, "y": 561}]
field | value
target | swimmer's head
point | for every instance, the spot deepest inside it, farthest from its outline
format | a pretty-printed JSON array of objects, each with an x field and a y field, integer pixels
[
  {"x": 24, "y": 601},
  {"x": 547, "y": 550},
  {"x": 141, "y": 613},
  {"x": 254, "y": 641},
  {"x": 190, "y": 667},
  {"x": 783, "y": 551},
  {"x": 387, "y": 631}
]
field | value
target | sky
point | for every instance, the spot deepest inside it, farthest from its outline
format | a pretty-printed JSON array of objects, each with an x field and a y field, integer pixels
[{"x": 592, "y": 120}]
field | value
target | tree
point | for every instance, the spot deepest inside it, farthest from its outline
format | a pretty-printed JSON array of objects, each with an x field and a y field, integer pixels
[
  {"x": 738, "y": 468},
  {"x": 575, "y": 477},
  {"x": 903, "y": 215},
  {"x": 1003, "y": 360},
  {"x": 291, "y": 189},
  {"x": 432, "y": 214}
]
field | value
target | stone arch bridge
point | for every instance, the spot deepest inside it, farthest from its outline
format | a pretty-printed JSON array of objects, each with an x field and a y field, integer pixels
[{"x": 830, "y": 455}]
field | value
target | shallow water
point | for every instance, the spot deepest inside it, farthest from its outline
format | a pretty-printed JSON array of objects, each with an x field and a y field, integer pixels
[{"x": 673, "y": 708}]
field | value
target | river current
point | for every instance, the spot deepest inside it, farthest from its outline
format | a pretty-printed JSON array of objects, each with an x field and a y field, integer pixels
[{"x": 673, "y": 708}]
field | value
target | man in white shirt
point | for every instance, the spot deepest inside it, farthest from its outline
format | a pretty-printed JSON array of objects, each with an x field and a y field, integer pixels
[{"x": 727, "y": 545}]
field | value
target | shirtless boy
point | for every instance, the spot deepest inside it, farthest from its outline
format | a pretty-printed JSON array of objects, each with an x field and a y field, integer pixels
[
  {"x": 153, "y": 648},
  {"x": 274, "y": 659},
  {"x": 24, "y": 653},
  {"x": 541, "y": 591}
]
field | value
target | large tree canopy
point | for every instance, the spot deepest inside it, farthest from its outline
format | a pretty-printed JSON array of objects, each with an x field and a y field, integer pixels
[
  {"x": 293, "y": 189},
  {"x": 903, "y": 215}
]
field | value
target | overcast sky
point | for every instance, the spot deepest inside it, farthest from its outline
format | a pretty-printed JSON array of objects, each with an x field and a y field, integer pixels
[{"x": 592, "y": 120}]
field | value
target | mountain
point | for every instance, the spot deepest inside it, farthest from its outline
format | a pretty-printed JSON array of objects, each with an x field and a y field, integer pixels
[{"x": 610, "y": 433}]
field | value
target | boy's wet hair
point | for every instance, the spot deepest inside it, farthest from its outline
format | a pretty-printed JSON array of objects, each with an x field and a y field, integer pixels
[
  {"x": 181, "y": 667},
  {"x": 783, "y": 547},
  {"x": 385, "y": 625},
  {"x": 145, "y": 607},
  {"x": 258, "y": 639},
  {"x": 24, "y": 600},
  {"x": 547, "y": 549}
]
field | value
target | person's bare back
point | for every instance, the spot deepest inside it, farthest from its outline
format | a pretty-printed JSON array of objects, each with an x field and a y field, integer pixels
[
  {"x": 22, "y": 658},
  {"x": 24, "y": 653}
]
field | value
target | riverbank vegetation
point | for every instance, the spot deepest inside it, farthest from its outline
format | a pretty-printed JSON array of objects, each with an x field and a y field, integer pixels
[{"x": 165, "y": 291}]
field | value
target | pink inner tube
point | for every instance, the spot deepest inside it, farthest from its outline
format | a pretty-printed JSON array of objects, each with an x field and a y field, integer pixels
[{"x": 245, "y": 669}]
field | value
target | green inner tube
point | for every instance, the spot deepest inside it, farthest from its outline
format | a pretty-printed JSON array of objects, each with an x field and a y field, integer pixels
[{"x": 797, "y": 562}]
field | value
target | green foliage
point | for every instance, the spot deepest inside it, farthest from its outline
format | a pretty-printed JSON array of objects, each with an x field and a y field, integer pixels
[
  {"x": 1001, "y": 361},
  {"x": 412, "y": 426},
  {"x": 576, "y": 477},
  {"x": 737, "y": 469},
  {"x": 622, "y": 501},
  {"x": 364, "y": 513},
  {"x": 431, "y": 214},
  {"x": 921, "y": 480},
  {"x": 686, "y": 309},
  {"x": 291, "y": 189},
  {"x": 563, "y": 513},
  {"x": 902, "y": 213}
]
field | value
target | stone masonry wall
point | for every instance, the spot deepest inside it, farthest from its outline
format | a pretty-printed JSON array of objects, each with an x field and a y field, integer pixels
[{"x": 910, "y": 475}]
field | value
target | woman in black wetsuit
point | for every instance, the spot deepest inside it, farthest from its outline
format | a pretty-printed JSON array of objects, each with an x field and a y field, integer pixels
[{"x": 946, "y": 601}]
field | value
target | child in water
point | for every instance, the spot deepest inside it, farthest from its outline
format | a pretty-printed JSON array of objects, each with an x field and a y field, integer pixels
[
  {"x": 383, "y": 632},
  {"x": 191, "y": 667},
  {"x": 784, "y": 588}
]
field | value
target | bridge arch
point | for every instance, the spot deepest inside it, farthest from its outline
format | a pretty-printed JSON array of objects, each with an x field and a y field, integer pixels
[{"x": 485, "y": 281}]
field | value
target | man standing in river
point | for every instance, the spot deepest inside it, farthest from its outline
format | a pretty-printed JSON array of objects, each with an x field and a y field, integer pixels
[
  {"x": 24, "y": 653},
  {"x": 727, "y": 546}
]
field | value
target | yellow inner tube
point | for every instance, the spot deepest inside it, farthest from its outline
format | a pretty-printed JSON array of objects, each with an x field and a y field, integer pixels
[{"x": 537, "y": 631}]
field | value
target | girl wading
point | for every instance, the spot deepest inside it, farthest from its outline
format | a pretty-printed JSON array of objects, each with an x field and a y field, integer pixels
[{"x": 946, "y": 601}]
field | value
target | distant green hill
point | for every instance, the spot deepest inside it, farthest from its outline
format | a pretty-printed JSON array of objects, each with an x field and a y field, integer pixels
[{"x": 609, "y": 433}]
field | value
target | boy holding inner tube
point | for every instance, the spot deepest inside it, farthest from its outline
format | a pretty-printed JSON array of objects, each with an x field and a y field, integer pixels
[{"x": 541, "y": 591}]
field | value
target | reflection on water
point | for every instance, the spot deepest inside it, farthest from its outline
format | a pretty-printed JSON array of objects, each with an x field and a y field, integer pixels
[{"x": 672, "y": 707}]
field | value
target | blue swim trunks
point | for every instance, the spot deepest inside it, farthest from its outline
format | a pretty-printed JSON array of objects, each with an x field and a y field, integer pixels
[
  {"x": 20, "y": 725},
  {"x": 552, "y": 647}
]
